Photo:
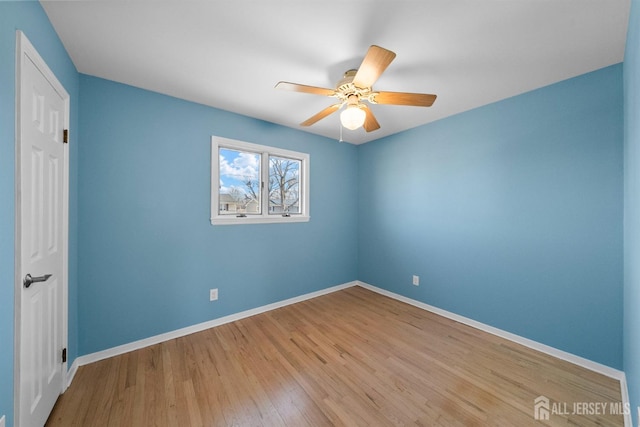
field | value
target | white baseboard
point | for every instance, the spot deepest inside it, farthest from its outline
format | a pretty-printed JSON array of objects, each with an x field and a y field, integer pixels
[
  {"x": 115, "y": 351},
  {"x": 624, "y": 391},
  {"x": 560, "y": 354},
  {"x": 552, "y": 351},
  {"x": 71, "y": 373}
]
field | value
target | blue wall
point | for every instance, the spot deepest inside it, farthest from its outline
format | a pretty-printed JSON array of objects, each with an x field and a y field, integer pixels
[
  {"x": 632, "y": 208},
  {"x": 29, "y": 17},
  {"x": 148, "y": 253},
  {"x": 511, "y": 214}
]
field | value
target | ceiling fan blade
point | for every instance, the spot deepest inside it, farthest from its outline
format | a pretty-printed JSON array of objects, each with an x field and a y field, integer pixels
[
  {"x": 403, "y": 98},
  {"x": 321, "y": 115},
  {"x": 305, "y": 89},
  {"x": 375, "y": 62},
  {"x": 370, "y": 122}
]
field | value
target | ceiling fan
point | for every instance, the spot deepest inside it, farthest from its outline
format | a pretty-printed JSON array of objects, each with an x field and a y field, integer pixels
[{"x": 355, "y": 87}]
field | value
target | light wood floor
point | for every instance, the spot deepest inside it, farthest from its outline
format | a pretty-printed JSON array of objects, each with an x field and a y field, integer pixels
[{"x": 352, "y": 357}]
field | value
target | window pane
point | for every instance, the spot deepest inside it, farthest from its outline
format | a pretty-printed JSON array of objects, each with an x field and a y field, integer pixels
[
  {"x": 239, "y": 186},
  {"x": 284, "y": 185}
]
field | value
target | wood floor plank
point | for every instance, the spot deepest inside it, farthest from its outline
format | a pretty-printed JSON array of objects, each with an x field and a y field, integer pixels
[{"x": 349, "y": 358}]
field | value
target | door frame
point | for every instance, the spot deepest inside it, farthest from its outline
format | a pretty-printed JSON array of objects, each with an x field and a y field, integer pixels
[{"x": 24, "y": 49}]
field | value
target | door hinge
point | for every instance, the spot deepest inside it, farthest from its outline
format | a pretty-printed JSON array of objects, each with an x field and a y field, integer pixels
[
  {"x": 64, "y": 355},
  {"x": 65, "y": 136}
]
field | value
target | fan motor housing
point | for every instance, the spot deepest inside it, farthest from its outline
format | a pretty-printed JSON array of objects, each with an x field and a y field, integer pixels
[{"x": 346, "y": 88}]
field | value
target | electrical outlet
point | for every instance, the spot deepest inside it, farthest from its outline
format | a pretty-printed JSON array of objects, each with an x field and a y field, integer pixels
[
  {"x": 416, "y": 280},
  {"x": 2, "y": 421},
  {"x": 213, "y": 294}
]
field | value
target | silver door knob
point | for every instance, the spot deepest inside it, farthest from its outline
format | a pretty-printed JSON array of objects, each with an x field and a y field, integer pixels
[{"x": 28, "y": 280}]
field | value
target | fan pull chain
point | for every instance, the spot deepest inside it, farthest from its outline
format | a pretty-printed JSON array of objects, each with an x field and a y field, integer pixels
[{"x": 340, "y": 126}]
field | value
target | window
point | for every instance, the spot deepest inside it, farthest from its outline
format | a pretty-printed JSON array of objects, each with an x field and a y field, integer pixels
[{"x": 257, "y": 184}]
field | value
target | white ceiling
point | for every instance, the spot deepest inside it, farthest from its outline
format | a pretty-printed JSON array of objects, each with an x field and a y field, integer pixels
[{"x": 229, "y": 54}]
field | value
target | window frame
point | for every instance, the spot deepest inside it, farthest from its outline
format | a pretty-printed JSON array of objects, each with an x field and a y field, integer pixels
[{"x": 265, "y": 151}]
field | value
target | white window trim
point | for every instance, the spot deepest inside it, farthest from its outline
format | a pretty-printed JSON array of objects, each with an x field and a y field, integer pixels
[{"x": 264, "y": 217}]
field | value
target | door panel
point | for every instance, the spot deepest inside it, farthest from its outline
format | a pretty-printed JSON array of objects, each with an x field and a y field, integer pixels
[{"x": 42, "y": 189}]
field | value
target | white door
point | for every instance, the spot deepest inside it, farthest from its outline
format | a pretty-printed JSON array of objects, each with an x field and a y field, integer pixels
[{"x": 42, "y": 197}]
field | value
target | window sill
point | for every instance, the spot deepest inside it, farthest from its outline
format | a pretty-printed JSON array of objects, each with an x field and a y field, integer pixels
[{"x": 233, "y": 220}]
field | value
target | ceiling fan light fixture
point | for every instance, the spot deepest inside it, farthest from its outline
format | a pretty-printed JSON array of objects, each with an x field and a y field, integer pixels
[
  {"x": 356, "y": 86},
  {"x": 352, "y": 117}
]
